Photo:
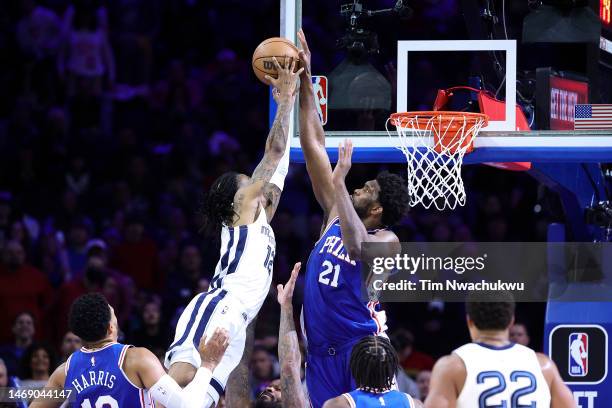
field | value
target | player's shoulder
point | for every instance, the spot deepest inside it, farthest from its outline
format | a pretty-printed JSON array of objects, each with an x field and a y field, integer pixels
[
  {"x": 548, "y": 367},
  {"x": 340, "y": 401},
  {"x": 450, "y": 363}
]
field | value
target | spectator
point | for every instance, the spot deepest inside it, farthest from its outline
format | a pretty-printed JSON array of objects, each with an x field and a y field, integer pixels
[
  {"x": 70, "y": 343},
  {"x": 151, "y": 334},
  {"x": 262, "y": 370},
  {"x": 23, "y": 332},
  {"x": 184, "y": 282},
  {"x": 410, "y": 359},
  {"x": 406, "y": 384},
  {"x": 137, "y": 254},
  {"x": 22, "y": 287},
  {"x": 422, "y": 381},
  {"x": 93, "y": 280},
  {"x": 78, "y": 237},
  {"x": 37, "y": 364},
  {"x": 86, "y": 57},
  {"x": 519, "y": 334},
  {"x": 123, "y": 290},
  {"x": 4, "y": 379}
]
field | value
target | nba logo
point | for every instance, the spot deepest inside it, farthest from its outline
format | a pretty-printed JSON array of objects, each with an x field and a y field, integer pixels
[
  {"x": 578, "y": 354},
  {"x": 319, "y": 84}
]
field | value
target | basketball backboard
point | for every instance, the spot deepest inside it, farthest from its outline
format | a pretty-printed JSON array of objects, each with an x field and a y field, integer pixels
[{"x": 411, "y": 63}]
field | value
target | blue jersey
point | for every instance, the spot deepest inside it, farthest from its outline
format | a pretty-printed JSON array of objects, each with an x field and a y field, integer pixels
[
  {"x": 97, "y": 379},
  {"x": 335, "y": 313},
  {"x": 393, "y": 398}
]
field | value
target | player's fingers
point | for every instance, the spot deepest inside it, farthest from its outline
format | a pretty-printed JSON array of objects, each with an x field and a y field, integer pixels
[
  {"x": 302, "y": 38},
  {"x": 279, "y": 288},
  {"x": 293, "y": 61},
  {"x": 299, "y": 71},
  {"x": 276, "y": 63},
  {"x": 203, "y": 339}
]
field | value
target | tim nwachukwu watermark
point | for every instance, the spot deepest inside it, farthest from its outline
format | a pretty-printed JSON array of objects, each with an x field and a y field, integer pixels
[{"x": 449, "y": 271}]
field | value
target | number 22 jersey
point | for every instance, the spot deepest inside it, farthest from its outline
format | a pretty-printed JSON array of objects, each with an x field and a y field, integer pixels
[{"x": 334, "y": 312}]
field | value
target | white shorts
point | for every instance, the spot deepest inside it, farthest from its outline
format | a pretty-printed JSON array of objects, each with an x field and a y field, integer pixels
[{"x": 206, "y": 312}]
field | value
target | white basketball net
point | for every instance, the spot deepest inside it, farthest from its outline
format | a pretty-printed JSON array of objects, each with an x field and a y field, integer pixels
[{"x": 435, "y": 155}]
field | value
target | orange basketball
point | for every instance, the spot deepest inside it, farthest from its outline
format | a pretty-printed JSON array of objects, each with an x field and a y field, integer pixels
[{"x": 278, "y": 47}]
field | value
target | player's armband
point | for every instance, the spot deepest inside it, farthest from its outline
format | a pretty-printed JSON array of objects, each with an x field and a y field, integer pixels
[
  {"x": 278, "y": 178},
  {"x": 168, "y": 393}
]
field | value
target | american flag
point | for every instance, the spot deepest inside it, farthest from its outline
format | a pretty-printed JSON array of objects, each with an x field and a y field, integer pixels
[{"x": 587, "y": 116}]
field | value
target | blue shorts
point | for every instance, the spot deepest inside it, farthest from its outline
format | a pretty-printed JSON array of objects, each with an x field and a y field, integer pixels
[{"x": 328, "y": 373}]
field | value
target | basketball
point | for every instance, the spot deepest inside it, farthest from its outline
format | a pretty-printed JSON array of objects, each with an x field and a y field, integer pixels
[{"x": 278, "y": 47}]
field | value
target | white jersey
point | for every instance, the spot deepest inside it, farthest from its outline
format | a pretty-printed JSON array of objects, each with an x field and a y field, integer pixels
[
  {"x": 246, "y": 262},
  {"x": 502, "y": 376}
]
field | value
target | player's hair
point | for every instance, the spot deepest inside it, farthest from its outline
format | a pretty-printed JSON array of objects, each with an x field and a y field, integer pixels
[
  {"x": 491, "y": 311},
  {"x": 218, "y": 204},
  {"x": 89, "y": 317},
  {"x": 373, "y": 364},
  {"x": 393, "y": 197}
]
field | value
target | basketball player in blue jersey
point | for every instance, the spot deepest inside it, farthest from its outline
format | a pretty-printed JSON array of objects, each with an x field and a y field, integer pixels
[
  {"x": 240, "y": 208},
  {"x": 335, "y": 316},
  {"x": 493, "y": 371},
  {"x": 108, "y": 374},
  {"x": 373, "y": 364}
]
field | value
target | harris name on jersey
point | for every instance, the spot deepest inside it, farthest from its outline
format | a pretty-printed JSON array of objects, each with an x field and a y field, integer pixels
[{"x": 99, "y": 378}]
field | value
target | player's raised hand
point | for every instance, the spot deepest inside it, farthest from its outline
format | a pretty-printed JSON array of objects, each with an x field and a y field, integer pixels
[
  {"x": 345, "y": 153},
  {"x": 285, "y": 85},
  {"x": 211, "y": 351},
  {"x": 304, "y": 54},
  {"x": 285, "y": 292}
]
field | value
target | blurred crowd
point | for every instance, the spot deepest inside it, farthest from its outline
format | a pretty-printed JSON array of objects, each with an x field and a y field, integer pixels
[{"x": 115, "y": 117}]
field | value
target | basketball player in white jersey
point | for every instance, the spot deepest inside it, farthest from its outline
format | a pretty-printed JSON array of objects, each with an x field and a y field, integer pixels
[
  {"x": 241, "y": 207},
  {"x": 492, "y": 371}
]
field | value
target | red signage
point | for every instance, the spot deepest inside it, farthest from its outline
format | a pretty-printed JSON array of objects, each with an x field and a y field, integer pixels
[
  {"x": 604, "y": 12},
  {"x": 564, "y": 95}
]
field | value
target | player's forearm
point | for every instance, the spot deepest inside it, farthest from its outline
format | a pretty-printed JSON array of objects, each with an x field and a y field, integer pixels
[
  {"x": 353, "y": 230},
  {"x": 279, "y": 132},
  {"x": 168, "y": 393},
  {"x": 290, "y": 361},
  {"x": 276, "y": 143}
]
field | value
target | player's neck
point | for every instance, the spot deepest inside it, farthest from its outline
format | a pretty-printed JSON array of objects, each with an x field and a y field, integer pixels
[
  {"x": 492, "y": 338},
  {"x": 98, "y": 344},
  {"x": 371, "y": 224}
]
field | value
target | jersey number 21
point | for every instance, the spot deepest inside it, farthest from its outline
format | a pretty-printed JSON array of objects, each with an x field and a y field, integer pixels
[{"x": 329, "y": 268}]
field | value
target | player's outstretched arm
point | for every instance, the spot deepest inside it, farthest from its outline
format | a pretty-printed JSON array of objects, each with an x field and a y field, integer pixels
[
  {"x": 354, "y": 233},
  {"x": 560, "y": 394},
  {"x": 312, "y": 136},
  {"x": 447, "y": 377},
  {"x": 269, "y": 175},
  {"x": 289, "y": 347},
  {"x": 145, "y": 368},
  {"x": 55, "y": 383}
]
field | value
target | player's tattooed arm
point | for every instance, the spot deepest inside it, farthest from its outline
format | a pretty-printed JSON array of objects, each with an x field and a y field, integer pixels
[
  {"x": 238, "y": 391},
  {"x": 312, "y": 136},
  {"x": 289, "y": 347}
]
